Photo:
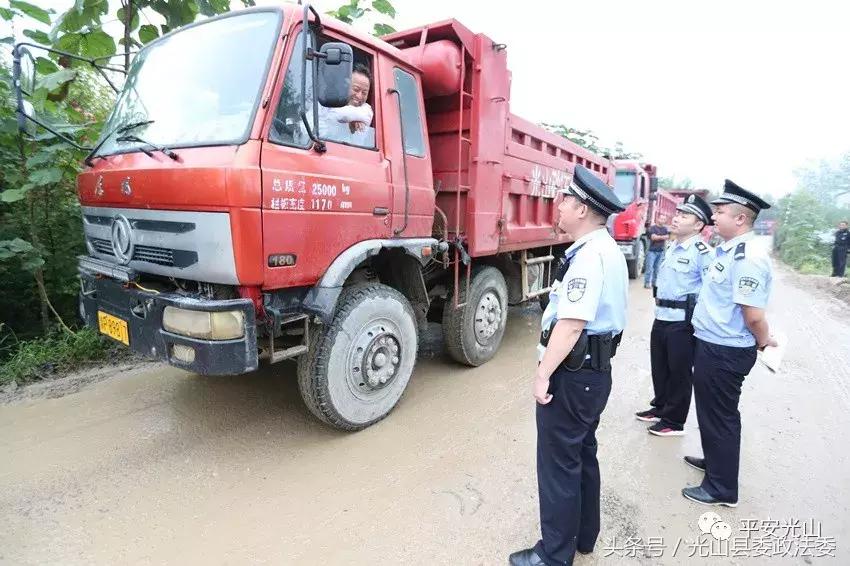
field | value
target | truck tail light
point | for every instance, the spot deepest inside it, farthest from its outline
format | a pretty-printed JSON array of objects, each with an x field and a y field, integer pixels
[{"x": 223, "y": 325}]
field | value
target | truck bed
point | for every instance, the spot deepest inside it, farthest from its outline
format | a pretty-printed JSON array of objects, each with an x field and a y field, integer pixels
[{"x": 496, "y": 174}]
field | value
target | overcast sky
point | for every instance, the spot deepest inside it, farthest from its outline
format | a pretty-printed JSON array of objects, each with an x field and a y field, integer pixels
[
  {"x": 745, "y": 89},
  {"x": 742, "y": 89}
]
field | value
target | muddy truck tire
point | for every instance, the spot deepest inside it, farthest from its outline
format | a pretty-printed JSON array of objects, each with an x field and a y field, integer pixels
[
  {"x": 473, "y": 333},
  {"x": 635, "y": 266},
  {"x": 359, "y": 365}
]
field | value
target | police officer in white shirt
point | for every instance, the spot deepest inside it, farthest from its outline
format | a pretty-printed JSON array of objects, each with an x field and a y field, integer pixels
[
  {"x": 581, "y": 329},
  {"x": 672, "y": 342},
  {"x": 730, "y": 325}
]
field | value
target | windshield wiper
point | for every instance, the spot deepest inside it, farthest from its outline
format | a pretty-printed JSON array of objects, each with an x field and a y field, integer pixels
[
  {"x": 162, "y": 148},
  {"x": 117, "y": 130}
]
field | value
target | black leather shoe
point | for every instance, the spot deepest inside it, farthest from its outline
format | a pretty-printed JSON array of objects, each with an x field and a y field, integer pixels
[
  {"x": 525, "y": 557},
  {"x": 694, "y": 462},
  {"x": 584, "y": 552},
  {"x": 700, "y": 495}
]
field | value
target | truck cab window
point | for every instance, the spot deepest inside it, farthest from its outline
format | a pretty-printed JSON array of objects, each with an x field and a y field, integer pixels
[
  {"x": 353, "y": 124},
  {"x": 408, "y": 92},
  {"x": 624, "y": 187}
]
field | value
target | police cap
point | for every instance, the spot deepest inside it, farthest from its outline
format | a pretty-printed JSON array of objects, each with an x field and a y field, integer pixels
[
  {"x": 591, "y": 190},
  {"x": 697, "y": 206},
  {"x": 733, "y": 194}
]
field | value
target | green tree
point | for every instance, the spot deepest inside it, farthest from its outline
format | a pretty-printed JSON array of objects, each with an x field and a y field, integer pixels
[
  {"x": 355, "y": 10},
  {"x": 802, "y": 218},
  {"x": 673, "y": 182},
  {"x": 585, "y": 138},
  {"x": 590, "y": 141},
  {"x": 828, "y": 181}
]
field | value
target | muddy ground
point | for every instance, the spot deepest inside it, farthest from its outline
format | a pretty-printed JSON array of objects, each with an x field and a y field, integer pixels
[{"x": 152, "y": 465}]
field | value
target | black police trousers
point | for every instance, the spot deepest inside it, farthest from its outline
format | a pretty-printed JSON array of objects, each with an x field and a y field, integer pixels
[
  {"x": 568, "y": 479},
  {"x": 719, "y": 373},
  {"x": 671, "y": 356},
  {"x": 839, "y": 261}
]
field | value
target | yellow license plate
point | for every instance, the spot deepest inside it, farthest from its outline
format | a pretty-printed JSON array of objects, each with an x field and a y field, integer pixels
[{"x": 113, "y": 327}]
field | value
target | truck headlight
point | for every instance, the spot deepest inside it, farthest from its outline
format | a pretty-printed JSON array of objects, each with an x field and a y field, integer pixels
[{"x": 223, "y": 325}]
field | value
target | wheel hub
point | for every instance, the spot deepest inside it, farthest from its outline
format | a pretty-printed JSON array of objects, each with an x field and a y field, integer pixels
[
  {"x": 377, "y": 358},
  {"x": 488, "y": 317}
]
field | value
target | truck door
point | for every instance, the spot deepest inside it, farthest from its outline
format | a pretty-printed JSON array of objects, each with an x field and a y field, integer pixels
[
  {"x": 316, "y": 205},
  {"x": 412, "y": 189}
]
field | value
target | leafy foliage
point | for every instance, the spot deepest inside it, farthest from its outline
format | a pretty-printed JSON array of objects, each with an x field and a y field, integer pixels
[
  {"x": 828, "y": 181},
  {"x": 804, "y": 236},
  {"x": 674, "y": 182},
  {"x": 44, "y": 356},
  {"x": 355, "y": 10},
  {"x": 589, "y": 140}
]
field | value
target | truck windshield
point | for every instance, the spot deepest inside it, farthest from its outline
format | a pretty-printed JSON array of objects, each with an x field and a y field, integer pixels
[
  {"x": 199, "y": 86},
  {"x": 624, "y": 187}
]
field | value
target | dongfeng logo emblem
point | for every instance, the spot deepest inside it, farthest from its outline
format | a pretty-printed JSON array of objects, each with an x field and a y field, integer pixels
[
  {"x": 98, "y": 187},
  {"x": 122, "y": 239},
  {"x": 125, "y": 187}
]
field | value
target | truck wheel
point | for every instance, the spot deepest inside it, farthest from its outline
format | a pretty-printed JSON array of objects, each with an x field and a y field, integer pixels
[
  {"x": 358, "y": 366},
  {"x": 473, "y": 333},
  {"x": 635, "y": 266}
]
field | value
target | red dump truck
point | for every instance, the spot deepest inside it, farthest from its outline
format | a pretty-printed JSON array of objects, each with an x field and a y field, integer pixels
[
  {"x": 636, "y": 186},
  {"x": 229, "y": 221}
]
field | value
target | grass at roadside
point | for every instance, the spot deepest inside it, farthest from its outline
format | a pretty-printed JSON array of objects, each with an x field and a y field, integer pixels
[{"x": 39, "y": 358}]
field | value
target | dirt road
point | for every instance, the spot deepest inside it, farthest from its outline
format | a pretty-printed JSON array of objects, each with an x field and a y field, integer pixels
[{"x": 159, "y": 466}]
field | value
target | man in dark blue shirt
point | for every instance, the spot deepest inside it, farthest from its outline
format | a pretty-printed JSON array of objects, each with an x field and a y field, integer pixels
[{"x": 658, "y": 236}]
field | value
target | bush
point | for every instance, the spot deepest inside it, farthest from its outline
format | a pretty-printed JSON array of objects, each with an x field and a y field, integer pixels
[
  {"x": 38, "y": 358},
  {"x": 803, "y": 217}
]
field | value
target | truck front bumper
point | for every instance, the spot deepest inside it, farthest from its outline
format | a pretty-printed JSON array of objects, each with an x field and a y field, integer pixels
[{"x": 142, "y": 311}]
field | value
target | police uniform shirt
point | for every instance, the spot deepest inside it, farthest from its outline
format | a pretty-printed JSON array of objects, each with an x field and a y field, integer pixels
[
  {"x": 842, "y": 238},
  {"x": 681, "y": 274},
  {"x": 736, "y": 277},
  {"x": 594, "y": 289}
]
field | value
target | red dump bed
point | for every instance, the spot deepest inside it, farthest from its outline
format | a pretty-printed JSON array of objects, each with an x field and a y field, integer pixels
[{"x": 496, "y": 175}]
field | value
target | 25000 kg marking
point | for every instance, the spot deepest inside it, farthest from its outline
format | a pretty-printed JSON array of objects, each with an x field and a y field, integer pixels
[{"x": 323, "y": 190}]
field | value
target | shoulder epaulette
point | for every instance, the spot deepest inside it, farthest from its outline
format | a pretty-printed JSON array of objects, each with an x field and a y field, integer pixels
[
  {"x": 702, "y": 248},
  {"x": 740, "y": 251}
]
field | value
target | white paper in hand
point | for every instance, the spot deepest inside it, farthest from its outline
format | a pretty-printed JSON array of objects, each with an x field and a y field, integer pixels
[{"x": 772, "y": 355}]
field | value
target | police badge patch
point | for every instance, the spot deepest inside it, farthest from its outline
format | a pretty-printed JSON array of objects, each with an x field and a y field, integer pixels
[
  {"x": 575, "y": 288},
  {"x": 747, "y": 285}
]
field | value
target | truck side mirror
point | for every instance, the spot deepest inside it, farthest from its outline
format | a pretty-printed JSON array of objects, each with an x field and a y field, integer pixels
[
  {"x": 23, "y": 78},
  {"x": 653, "y": 185},
  {"x": 26, "y": 125},
  {"x": 336, "y": 62}
]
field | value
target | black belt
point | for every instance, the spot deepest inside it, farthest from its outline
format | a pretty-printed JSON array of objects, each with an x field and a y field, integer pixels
[{"x": 668, "y": 304}]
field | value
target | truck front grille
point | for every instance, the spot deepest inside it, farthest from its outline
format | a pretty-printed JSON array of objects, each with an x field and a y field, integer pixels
[{"x": 150, "y": 254}]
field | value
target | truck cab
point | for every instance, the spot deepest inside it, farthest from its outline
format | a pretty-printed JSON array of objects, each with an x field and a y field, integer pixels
[{"x": 636, "y": 184}]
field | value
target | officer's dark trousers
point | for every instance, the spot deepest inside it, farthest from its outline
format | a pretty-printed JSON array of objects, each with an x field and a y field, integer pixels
[
  {"x": 671, "y": 355},
  {"x": 839, "y": 261},
  {"x": 567, "y": 470},
  {"x": 719, "y": 373}
]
